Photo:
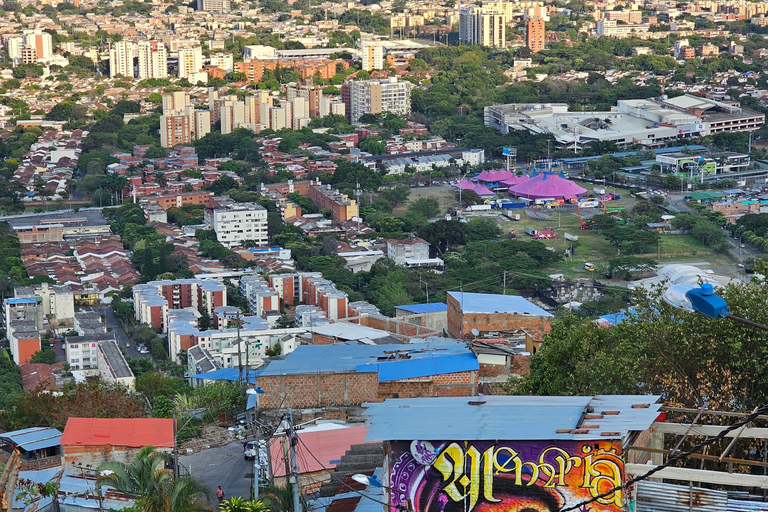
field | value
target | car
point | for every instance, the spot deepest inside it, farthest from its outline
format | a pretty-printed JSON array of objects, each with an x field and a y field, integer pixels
[
  {"x": 127, "y": 345},
  {"x": 249, "y": 450},
  {"x": 742, "y": 246},
  {"x": 63, "y": 346}
]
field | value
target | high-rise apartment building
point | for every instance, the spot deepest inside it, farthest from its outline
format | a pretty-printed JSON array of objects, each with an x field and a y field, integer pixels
[
  {"x": 236, "y": 223},
  {"x": 223, "y": 61},
  {"x": 180, "y": 122},
  {"x": 190, "y": 61},
  {"x": 153, "y": 59},
  {"x": 375, "y": 96},
  {"x": 213, "y": 5},
  {"x": 373, "y": 55},
  {"x": 42, "y": 42},
  {"x": 121, "y": 57},
  {"x": 483, "y": 26},
  {"x": 312, "y": 95},
  {"x": 535, "y": 34}
]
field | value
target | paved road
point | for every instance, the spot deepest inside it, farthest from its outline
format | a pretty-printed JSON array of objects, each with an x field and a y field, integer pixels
[
  {"x": 120, "y": 336},
  {"x": 223, "y": 466}
]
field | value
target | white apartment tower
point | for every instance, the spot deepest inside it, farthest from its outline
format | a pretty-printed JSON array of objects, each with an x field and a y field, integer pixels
[
  {"x": 373, "y": 55},
  {"x": 375, "y": 96},
  {"x": 190, "y": 61},
  {"x": 121, "y": 57},
  {"x": 483, "y": 26},
  {"x": 234, "y": 223},
  {"x": 153, "y": 59}
]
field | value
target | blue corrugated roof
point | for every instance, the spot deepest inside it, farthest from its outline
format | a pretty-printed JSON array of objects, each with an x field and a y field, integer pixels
[
  {"x": 351, "y": 357},
  {"x": 230, "y": 374},
  {"x": 495, "y": 303},
  {"x": 535, "y": 418},
  {"x": 35, "y": 438},
  {"x": 21, "y": 301},
  {"x": 432, "y": 307},
  {"x": 438, "y": 365}
]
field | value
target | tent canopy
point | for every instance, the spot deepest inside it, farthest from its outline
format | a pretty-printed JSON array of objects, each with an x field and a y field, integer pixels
[{"x": 546, "y": 185}]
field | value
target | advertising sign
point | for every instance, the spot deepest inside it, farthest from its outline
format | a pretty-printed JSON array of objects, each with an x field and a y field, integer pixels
[
  {"x": 509, "y": 152},
  {"x": 504, "y": 476}
]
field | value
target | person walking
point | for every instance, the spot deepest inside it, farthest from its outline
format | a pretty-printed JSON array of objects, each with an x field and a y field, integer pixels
[{"x": 220, "y": 494}]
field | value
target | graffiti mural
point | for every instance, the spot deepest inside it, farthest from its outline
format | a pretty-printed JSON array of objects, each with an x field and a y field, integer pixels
[{"x": 509, "y": 476}]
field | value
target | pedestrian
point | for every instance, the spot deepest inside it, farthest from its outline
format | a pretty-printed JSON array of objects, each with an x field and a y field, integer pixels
[{"x": 220, "y": 494}]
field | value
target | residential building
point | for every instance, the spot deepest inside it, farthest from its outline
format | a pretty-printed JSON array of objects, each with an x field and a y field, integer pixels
[
  {"x": 611, "y": 28},
  {"x": 236, "y": 223},
  {"x": 40, "y": 42},
  {"x": 311, "y": 94},
  {"x": 351, "y": 373},
  {"x": 38, "y": 447},
  {"x": 90, "y": 442},
  {"x": 121, "y": 57},
  {"x": 153, "y": 59},
  {"x": 223, "y": 61},
  {"x": 175, "y": 130},
  {"x": 190, "y": 61},
  {"x": 433, "y": 315},
  {"x": 535, "y": 34},
  {"x": 584, "y": 432},
  {"x": 376, "y": 96},
  {"x": 341, "y": 206},
  {"x": 213, "y": 5},
  {"x": 180, "y": 199},
  {"x": 483, "y": 26},
  {"x": 373, "y": 55},
  {"x": 152, "y": 301},
  {"x": 407, "y": 250},
  {"x": 486, "y": 312}
]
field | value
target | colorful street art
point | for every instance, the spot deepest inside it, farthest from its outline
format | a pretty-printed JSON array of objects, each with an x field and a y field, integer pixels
[{"x": 509, "y": 476}]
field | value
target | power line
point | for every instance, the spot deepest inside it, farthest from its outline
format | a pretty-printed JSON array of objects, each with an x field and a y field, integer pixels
[
  {"x": 335, "y": 476},
  {"x": 681, "y": 456}
]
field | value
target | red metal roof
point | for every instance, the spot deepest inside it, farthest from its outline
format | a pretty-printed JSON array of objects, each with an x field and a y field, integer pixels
[
  {"x": 132, "y": 432},
  {"x": 327, "y": 445}
]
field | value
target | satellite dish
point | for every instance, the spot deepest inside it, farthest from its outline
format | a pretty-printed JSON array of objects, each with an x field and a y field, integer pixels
[{"x": 475, "y": 332}]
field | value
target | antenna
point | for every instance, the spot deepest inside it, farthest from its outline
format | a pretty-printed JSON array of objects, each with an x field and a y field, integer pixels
[{"x": 475, "y": 332}]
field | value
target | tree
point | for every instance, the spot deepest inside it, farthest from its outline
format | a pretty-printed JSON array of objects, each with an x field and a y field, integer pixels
[
  {"x": 692, "y": 359},
  {"x": 151, "y": 485},
  {"x": 397, "y": 194},
  {"x": 626, "y": 267},
  {"x": 144, "y": 334},
  {"x": 482, "y": 229},
  {"x": 427, "y": 207},
  {"x": 444, "y": 234},
  {"x": 238, "y": 504},
  {"x": 222, "y": 185}
]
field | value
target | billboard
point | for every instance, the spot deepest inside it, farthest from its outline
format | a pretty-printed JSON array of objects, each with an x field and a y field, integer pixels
[
  {"x": 509, "y": 152},
  {"x": 504, "y": 476}
]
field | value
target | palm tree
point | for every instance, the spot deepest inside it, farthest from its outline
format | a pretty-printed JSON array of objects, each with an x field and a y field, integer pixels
[
  {"x": 238, "y": 504},
  {"x": 154, "y": 488},
  {"x": 278, "y": 499}
]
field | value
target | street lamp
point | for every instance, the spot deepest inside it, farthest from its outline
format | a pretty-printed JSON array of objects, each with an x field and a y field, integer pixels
[{"x": 703, "y": 300}]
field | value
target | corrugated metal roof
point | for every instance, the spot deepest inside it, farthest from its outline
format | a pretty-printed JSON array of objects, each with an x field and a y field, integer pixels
[
  {"x": 34, "y": 438},
  {"x": 133, "y": 432},
  {"x": 354, "y": 357},
  {"x": 438, "y": 365},
  {"x": 536, "y": 417},
  {"x": 496, "y": 303},
  {"x": 230, "y": 374},
  {"x": 432, "y": 307}
]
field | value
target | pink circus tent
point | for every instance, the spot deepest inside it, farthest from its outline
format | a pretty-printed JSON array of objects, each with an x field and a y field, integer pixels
[
  {"x": 513, "y": 181},
  {"x": 480, "y": 190},
  {"x": 494, "y": 176},
  {"x": 547, "y": 185}
]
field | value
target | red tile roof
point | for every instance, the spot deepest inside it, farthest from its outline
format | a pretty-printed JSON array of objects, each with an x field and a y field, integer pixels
[
  {"x": 327, "y": 445},
  {"x": 132, "y": 432}
]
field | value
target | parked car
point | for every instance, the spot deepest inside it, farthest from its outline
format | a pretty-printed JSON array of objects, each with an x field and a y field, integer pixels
[{"x": 249, "y": 450}]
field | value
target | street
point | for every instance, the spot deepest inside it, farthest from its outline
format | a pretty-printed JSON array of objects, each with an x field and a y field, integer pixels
[
  {"x": 120, "y": 336},
  {"x": 223, "y": 466}
]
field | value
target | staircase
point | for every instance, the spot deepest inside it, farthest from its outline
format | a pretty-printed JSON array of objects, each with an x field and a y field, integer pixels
[{"x": 360, "y": 458}]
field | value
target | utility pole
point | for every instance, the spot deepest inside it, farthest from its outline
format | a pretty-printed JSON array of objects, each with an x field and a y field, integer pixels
[
  {"x": 239, "y": 355},
  {"x": 504, "y": 285},
  {"x": 426, "y": 287},
  {"x": 294, "y": 468}
]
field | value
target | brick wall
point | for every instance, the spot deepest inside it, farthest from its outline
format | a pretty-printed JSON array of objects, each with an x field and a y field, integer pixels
[
  {"x": 449, "y": 384},
  {"x": 318, "y": 390},
  {"x": 321, "y": 339},
  {"x": 44, "y": 463},
  {"x": 82, "y": 455},
  {"x": 461, "y": 325},
  {"x": 395, "y": 326}
]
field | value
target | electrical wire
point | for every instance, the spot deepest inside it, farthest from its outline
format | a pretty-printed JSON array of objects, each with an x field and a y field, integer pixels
[
  {"x": 335, "y": 476},
  {"x": 681, "y": 456}
]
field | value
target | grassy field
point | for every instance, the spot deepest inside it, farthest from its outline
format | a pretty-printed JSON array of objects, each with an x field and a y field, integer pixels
[{"x": 591, "y": 246}]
